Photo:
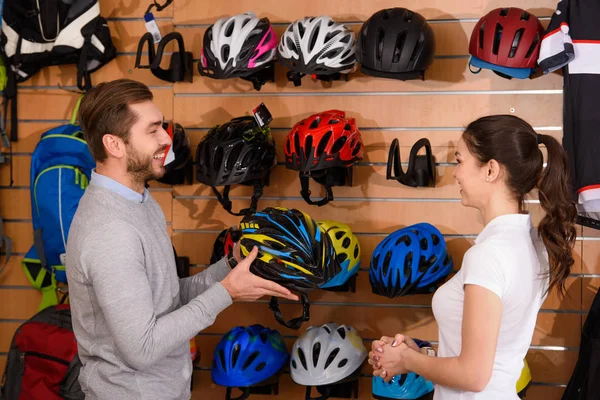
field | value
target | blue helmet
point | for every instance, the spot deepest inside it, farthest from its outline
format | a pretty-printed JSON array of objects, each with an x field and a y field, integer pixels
[
  {"x": 406, "y": 386},
  {"x": 410, "y": 260},
  {"x": 248, "y": 356}
]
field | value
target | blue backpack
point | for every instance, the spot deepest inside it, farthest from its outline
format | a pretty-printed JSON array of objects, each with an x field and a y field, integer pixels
[{"x": 61, "y": 167}]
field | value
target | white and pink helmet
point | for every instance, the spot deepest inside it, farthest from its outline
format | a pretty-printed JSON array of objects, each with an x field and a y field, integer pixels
[{"x": 238, "y": 46}]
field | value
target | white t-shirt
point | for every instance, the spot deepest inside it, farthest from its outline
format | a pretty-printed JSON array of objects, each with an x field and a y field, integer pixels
[{"x": 508, "y": 258}]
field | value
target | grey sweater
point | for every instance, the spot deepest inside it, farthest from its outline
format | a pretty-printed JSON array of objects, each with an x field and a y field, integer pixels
[{"x": 133, "y": 318}]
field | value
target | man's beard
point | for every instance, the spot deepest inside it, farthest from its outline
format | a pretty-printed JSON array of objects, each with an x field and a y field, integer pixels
[{"x": 139, "y": 168}]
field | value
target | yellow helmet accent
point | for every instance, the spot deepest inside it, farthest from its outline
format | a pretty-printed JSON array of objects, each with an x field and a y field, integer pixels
[
  {"x": 524, "y": 380},
  {"x": 345, "y": 243}
]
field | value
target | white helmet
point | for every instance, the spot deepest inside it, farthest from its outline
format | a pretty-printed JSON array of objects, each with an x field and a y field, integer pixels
[
  {"x": 326, "y": 354},
  {"x": 317, "y": 45},
  {"x": 237, "y": 46}
]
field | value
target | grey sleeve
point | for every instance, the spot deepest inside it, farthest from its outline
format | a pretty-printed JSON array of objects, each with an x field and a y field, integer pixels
[
  {"x": 113, "y": 260},
  {"x": 195, "y": 285}
]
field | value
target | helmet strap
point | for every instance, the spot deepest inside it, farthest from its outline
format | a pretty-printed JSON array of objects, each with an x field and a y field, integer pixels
[
  {"x": 245, "y": 394},
  {"x": 294, "y": 323},
  {"x": 305, "y": 192},
  {"x": 259, "y": 78},
  {"x": 226, "y": 202},
  {"x": 295, "y": 76}
]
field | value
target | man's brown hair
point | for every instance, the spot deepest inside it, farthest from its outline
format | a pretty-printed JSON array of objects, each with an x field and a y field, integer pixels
[{"x": 105, "y": 110}]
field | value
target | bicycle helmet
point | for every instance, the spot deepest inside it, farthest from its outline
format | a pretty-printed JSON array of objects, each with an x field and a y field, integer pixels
[
  {"x": 240, "y": 46},
  {"x": 224, "y": 243},
  {"x": 347, "y": 251},
  {"x": 324, "y": 147},
  {"x": 524, "y": 380},
  {"x": 406, "y": 386},
  {"x": 237, "y": 152},
  {"x": 293, "y": 252},
  {"x": 317, "y": 46},
  {"x": 395, "y": 43},
  {"x": 178, "y": 156},
  {"x": 248, "y": 356},
  {"x": 411, "y": 260},
  {"x": 326, "y": 355},
  {"x": 507, "y": 41}
]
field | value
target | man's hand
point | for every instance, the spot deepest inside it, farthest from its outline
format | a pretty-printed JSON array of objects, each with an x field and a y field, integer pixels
[{"x": 244, "y": 285}]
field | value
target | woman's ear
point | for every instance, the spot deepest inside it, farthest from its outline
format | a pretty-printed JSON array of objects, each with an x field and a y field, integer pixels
[{"x": 493, "y": 171}]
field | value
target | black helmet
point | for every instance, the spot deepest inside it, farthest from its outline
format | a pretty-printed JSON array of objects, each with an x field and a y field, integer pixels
[
  {"x": 237, "y": 152},
  {"x": 182, "y": 166},
  {"x": 395, "y": 43}
]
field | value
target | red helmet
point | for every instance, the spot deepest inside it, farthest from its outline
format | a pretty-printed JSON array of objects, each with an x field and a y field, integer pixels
[
  {"x": 323, "y": 146},
  {"x": 509, "y": 37}
]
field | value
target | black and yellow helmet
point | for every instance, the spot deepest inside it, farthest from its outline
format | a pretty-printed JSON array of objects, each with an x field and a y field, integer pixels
[{"x": 293, "y": 252}]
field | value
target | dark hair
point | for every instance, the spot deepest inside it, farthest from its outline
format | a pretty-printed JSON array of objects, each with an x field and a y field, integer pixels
[
  {"x": 514, "y": 144},
  {"x": 105, "y": 110}
]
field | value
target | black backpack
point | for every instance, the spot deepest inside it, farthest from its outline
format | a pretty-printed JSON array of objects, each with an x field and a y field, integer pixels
[{"x": 42, "y": 361}]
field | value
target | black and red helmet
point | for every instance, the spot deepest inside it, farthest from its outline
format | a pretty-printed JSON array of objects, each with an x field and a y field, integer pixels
[
  {"x": 324, "y": 147},
  {"x": 224, "y": 243},
  {"x": 178, "y": 156}
]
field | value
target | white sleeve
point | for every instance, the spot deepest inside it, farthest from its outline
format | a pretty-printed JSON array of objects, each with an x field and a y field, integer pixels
[
  {"x": 556, "y": 49},
  {"x": 482, "y": 267}
]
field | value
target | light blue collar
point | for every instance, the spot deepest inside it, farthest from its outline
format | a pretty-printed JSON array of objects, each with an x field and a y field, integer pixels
[{"x": 120, "y": 189}]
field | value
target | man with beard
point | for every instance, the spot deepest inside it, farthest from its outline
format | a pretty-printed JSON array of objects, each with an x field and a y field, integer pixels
[{"x": 132, "y": 316}]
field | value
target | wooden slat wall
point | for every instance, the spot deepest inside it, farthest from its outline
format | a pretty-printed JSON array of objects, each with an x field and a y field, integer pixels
[{"x": 385, "y": 109}]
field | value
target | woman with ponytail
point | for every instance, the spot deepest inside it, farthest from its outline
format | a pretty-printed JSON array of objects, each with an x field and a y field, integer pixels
[{"x": 487, "y": 312}]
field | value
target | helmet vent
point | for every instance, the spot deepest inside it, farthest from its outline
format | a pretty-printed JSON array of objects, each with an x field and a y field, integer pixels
[
  {"x": 497, "y": 37},
  {"x": 250, "y": 360},
  {"x": 385, "y": 15},
  {"x": 341, "y": 257},
  {"x": 315, "y": 123},
  {"x": 346, "y": 243},
  {"x": 337, "y": 146},
  {"x": 316, "y": 351},
  {"x": 302, "y": 358},
  {"x": 533, "y": 46},
  {"x": 525, "y": 16},
  {"x": 235, "y": 354},
  {"x": 290, "y": 43},
  {"x": 504, "y": 12},
  {"x": 331, "y": 357},
  {"x": 308, "y": 146},
  {"x": 229, "y": 29},
  {"x": 342, "y": 332},
  {"x": 356, "y": 149},
  {"x": 515, "y": 42},
  {"x": 313, "y": 38},
  {"x": 339, "y": 235},
  {"x": 386, "y": 262},
  {"x": 356, "y": 251},
  {"x": 343, "y": 363},
  {"x": 301, "y": 30},
  {"x": 260, "y": 366},
  {"x": 346, "y": 39},
  {"x": 379, "y": 53},
  {"x": 481, "y": 30},
  {"x": 225, "y": 52},
  {"x": 323, "y": 143}
]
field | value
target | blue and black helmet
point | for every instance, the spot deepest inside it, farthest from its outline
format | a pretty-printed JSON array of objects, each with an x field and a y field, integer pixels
[
  {"x": 249, "y": 356},
  {"x": 406, "y": 386},
  {"x": 410, "y": 260}
]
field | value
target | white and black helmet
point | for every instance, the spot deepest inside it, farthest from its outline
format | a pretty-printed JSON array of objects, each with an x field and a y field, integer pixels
[
  {"x": 317, "y": 45},
  {"x": 327, "y": 354}
]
